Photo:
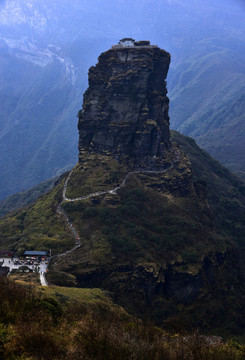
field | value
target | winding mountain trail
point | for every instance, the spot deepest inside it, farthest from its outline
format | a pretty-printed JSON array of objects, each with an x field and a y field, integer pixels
[
  {"x": 98, "y": 193},
  {"x": 113, "y": 191}
]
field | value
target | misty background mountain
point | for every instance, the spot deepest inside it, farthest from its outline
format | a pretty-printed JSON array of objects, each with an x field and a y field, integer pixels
[{"x": 47, "y": 47}]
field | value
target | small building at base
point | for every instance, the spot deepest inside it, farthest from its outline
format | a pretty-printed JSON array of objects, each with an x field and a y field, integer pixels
[{"x": 36, "y": 254}]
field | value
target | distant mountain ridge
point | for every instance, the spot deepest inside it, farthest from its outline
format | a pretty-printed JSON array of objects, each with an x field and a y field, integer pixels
[
  {"x": 48, "y": 47},
  {"x": 32, "y": 123},
  {"x": 214, "y": 116}
]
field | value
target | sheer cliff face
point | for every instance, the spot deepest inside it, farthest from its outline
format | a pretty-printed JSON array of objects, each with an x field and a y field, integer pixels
[{"x": 125, "y": 108}]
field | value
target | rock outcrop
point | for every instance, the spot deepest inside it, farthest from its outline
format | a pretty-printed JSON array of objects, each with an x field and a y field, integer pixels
[
  {"x": 148, "y": 234},
  {"x": 125, "y": 108}
]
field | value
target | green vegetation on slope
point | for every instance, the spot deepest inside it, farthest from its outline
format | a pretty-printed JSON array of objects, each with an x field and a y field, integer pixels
[
  {"x": 142, "y": 233},
  {"x": 51, "y": 326},
  {"x": 38, "y": 227},
  {"x": 225, "y": 192},
  {"x": 144, "y": 225},
  {"x": 96, "y": 173},
  {"x": 164, "y": 245},
  {"x": 25, "y": 198}
]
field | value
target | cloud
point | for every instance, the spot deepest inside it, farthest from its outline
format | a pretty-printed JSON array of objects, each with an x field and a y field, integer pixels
[
  {"x": 12, "y": 13},
  {"x": 17, "y": 12}
]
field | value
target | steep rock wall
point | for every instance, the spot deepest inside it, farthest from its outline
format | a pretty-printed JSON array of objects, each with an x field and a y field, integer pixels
[{"x": 125, "y": 108}]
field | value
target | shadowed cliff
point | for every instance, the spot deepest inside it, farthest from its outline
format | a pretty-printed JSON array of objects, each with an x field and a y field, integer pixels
[{"x": 125, "y": 109}]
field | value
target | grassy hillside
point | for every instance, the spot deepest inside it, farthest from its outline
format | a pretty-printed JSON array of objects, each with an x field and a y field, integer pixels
[
  {"x": 36, "y": 324},
  {"x": 38, "y": 227}
]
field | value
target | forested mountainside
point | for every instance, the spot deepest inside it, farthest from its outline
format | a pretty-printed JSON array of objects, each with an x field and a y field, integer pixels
[{"x": 196, "y": 237}]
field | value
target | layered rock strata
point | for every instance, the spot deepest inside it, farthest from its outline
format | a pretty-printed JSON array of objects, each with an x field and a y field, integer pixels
[{"x": 125, "y": 108}]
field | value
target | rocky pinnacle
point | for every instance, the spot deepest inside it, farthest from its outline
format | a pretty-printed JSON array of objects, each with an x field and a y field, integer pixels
[{"x": 125, "y": 108}]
